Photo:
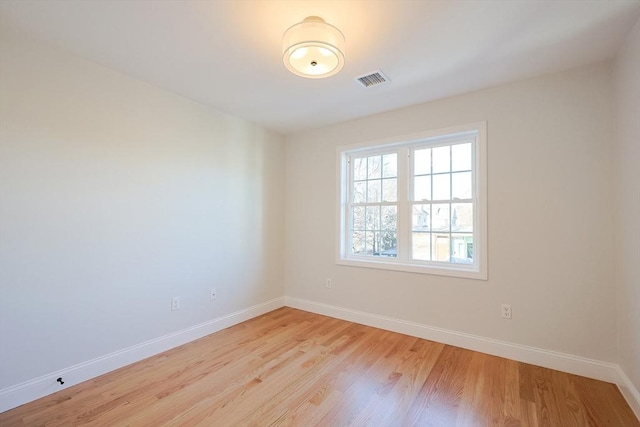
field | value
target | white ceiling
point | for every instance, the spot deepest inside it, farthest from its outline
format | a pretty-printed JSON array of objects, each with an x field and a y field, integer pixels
[{"x": 227, "y": 54}]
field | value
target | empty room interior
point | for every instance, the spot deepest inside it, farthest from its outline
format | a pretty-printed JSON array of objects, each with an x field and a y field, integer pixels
[{"x": 331, "y": 213}]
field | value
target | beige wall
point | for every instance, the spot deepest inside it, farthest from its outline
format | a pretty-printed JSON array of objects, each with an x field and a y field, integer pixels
[
  {"x": 626, "y": 187},
  {"x": 550, "y": 214},
  {"x": 116, "y": 196}
]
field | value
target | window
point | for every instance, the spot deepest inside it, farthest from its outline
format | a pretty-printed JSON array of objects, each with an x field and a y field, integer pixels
[{"x": 416, "y": 203}]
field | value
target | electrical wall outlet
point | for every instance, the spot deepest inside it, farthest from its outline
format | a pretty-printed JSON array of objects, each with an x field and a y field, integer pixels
[
  {"x": 214, "y": 294},
  {"x": 328, "y": 283},
  {"x": 506, "y": 311},
  {"x": 175, "y": 303}
]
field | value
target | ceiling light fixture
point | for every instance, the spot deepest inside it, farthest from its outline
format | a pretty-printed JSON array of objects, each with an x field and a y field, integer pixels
[{"x": 313, "y": 49}]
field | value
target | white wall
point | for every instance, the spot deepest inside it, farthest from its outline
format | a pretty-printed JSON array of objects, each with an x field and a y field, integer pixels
[
  {"x": 627, "y": 195},
  {"x": 550, "y": 215},
  {"x": 116, "y": 196}
]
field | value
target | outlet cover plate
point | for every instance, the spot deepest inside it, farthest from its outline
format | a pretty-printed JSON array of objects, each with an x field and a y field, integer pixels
[{"x": 506, "y": 311}]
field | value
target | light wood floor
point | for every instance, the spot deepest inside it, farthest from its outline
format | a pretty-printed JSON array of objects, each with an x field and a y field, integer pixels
[{"x": 293, "y": 368}]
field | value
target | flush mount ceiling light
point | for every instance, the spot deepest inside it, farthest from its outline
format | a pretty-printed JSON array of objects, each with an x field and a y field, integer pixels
[{"x": 313, "y": 49}]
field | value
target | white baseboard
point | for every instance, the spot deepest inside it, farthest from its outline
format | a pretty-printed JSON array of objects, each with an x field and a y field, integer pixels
[
  {"x": 36, "y": 388},
  {"x": 577, "y": 365},
  {"x": 629, "y": 392}
]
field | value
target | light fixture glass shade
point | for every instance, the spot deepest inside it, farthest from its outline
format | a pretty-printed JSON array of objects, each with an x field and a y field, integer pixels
[{"x": 313, "y": 48}]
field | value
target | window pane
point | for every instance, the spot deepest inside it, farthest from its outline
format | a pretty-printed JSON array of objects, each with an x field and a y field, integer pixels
[
  {"x": 441, "y": 159},
  {"x": 373, "y": 218},
  {"x": 462, "y": 217},
  {"x": 462, "y": 248},
  {"x": 359, "y": 169},
  {"x": 461, "y": 185},
  {"x": 422, "y": 161},
  {"x": 375, "y": 168},
  {"x": 421, "y": 246},
  {"x": 388, "y": 244},
  {"x": 422, "y": 188},
  {"x": 441, "y": 184},
  {"x": 389, "y": 218},
  {"x": 376, "y": 243},
  {"x": 390, "y": 165},
  {"x": 440, "y": 217},
  {"x": 461, "y": 157},
  {"x": 359, "y": 191},
  {"x": 357, "y": 218},
  {"x": 440, "y": 247},
  {"x": 374, "y": 191},
  {"x": 369, "y": 243},
  {"x": 357, "y": 242},
  {"x": 421, "y": 221},
  {"x": 389, "y": 190}
]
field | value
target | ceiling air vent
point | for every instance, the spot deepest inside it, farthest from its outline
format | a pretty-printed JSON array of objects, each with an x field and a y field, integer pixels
[{"x": 373, "y": 79}]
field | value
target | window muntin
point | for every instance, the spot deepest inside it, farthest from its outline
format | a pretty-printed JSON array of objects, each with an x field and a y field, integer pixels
[{"x": 418, "y": 205}]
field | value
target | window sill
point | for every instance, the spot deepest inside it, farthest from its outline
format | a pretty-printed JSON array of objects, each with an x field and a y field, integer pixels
[{"x": 466, "y": 273}]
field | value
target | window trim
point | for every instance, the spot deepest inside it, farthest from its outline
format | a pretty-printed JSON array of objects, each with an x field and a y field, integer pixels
[{"x": 477, "y": 270}]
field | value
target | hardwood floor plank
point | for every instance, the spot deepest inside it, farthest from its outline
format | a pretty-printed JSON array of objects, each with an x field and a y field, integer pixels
[
  {"x": 529, "y": 414},
  {"x": 568, "y": 400},
  {"x": 400, "y": 390},
  {"x": 594, "y": 395},
  {"x": 438, "y": 400},
  {"x": 545, "y": 396},
  {"x": 233, "y": 380},
  {"x": 355, "y": 383},
  {"x": 313, "y": 403},
  {"x": 293, "y": 368},
  {"x": 311, "y": 391},
  {"x": 512, "y": 409},
  {"x": 474, "y": 410}
]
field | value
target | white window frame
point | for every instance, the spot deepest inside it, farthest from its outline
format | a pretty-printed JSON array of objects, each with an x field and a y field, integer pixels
[{"x": 403, "y": 145}]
